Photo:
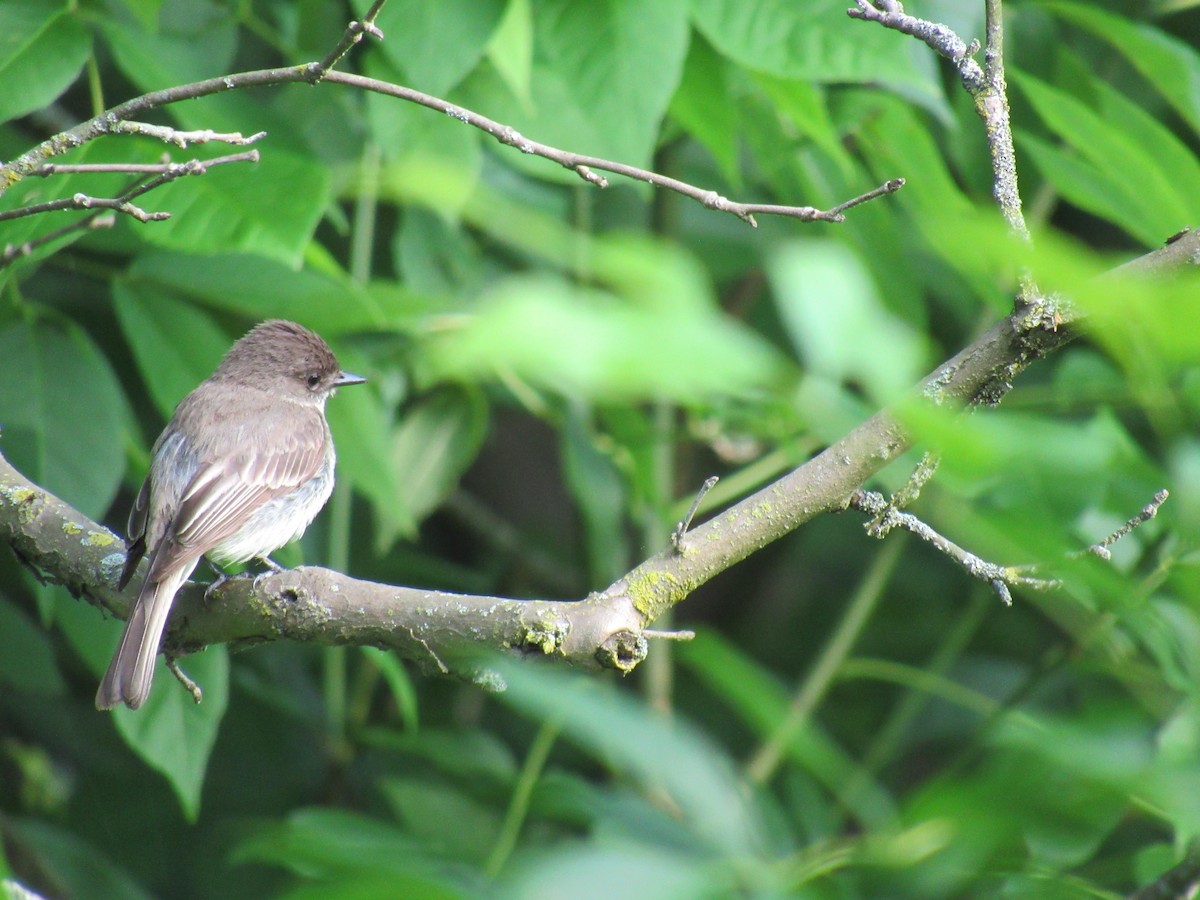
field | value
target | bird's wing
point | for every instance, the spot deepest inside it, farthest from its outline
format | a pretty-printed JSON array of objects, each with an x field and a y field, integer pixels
[
  {"x": 135, "y": 535},
  {"x": 224, "y": 493}
]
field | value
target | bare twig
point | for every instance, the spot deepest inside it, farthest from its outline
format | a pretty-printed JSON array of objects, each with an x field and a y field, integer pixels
[
  {"x": 583, "y": 165},
  {"x": 683, "y": 525},
  {"x": 987, "y": 86},
  {"x": 93, "y": 221},
  {"x": 1148, "y": 512},
  {"x": 167, "y": 171},
  {"x": 683, "y": 635},
  {"x": 84, "y": 201},
  {"x": 885, "y": 516},
  {"x": 353, "y": 34},
  {"x": 182, "y": 138}
]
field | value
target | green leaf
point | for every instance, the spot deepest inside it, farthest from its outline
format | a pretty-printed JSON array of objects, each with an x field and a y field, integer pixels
[
  {"x": 662, "y": 337},
  {"x": 760, "y": 700},
  {"x": 42, "y": 50},
  {"x": 600, "y": 495},
  {"x": 660, "y": 755},
  {"x": 62, "y": 412},
  {"x": 79, "y": 870},
  {"x": 186, "y": 49},
  {"x": 175, "y": 735},
  {"x": 334, "y": 843},
  {"x": 175, "y": 344},
  {"x": 472, "y": 756},
  {"x": 27, "y": 661},
  {"x": 603, "y": 74},
  {"x": 816, "y": 41},
  {"x": 260, "y": 289},
  {"x": 837, "y": 321},
  {"x": 1084, "y": 185},
  {"x": 511, "y": 49},
  {"x": 361, "y": 427},
  {"x": 435, "y": 441},
  {"x": 434, "y": 811},
  {"x": 1168, "y": 63},
  {"x": 436, "y": 44},
  {"x": 1126, "y": 158},
  {"x": 270, "y": 208},
  {"x": 704, "y": 105}
]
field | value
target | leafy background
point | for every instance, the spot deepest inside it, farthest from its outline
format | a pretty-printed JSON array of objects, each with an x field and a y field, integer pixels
[{"x": 553, "y": 371}]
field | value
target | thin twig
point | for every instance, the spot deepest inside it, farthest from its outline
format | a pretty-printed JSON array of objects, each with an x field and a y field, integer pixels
[
  {"x": 1148, "y": 512},
  {"x": 353, "y": 34},
  {"x": 682, "y": 526},
  {"x": 85, "y": 201},
  {"x": 679, "y": 635},
  {"x": 98, "y": 218},
  {"x": 166, "y": 172},
  {"x": 182, "y": 138},
  {"x": 113, "y": 121},
  {"x": 94, "y": 221},
  {"x": 987, "y": 87},
  {"x": 885, "y": 516}
]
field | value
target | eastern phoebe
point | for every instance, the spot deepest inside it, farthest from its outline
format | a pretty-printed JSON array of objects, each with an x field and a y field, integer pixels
[{"x": 243, "y": 467}]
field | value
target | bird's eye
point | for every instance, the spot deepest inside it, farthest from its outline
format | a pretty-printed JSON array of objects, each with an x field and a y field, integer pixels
[{"x": 312, "y": 380}]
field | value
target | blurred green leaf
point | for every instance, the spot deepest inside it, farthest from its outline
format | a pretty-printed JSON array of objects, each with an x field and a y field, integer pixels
[
  {"x": 1170, "y": 64},
  {"x": 511, "y": 49},
  {"x": 27, "y": 660},
  {"x": 816, "y": 41},
  {"x": 175, "y": 344},
  {"x": 77, "y": 869},
  {"x": 172, "y": 733},
  {"x": 761, "y": 701},
  {"x": 62, "y": 416},
  {"x": 704, "y": 105},
  {"x": 415, "y": 38},
  {"x": 434, "y": 811},
  {"x": 670, "y": 757},
  {"x": 262, "y": 289},
  {"x": 600, "y": 496},
  {"x": 42, "y": 50},
  {"x": 186, "y": 47},
  {"x": 325, "y": 844},
  {"x": 435, "y": 440},
  {"x": 1127, "y": 175},
  {"x": 608, "y": 870},
  {"x": 603, "y": 74},
  {"x": 469, "y": 755},
  {"x": 592, "y": 345},
  {"x": 838, "y": 322}
]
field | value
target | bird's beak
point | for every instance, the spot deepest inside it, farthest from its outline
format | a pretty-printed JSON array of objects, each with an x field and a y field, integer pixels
[{"x": 345, "y": 378}]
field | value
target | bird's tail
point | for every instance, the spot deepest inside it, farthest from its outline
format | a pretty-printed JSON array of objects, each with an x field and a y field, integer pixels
[{"x": 132, "y": 668}]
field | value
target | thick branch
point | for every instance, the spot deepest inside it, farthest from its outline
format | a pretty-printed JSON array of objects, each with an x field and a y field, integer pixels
[
  {"x": 433, "y": 628},
  {"x": 979, "y": 375}
]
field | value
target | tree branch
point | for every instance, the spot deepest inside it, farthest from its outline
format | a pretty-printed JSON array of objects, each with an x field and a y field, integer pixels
[
  {"x": 606, "y": 630},
  {"x": 987, "y": 87}
]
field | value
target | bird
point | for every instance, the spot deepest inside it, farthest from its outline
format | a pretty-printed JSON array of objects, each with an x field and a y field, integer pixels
[{"x": 242, "y": 468}]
